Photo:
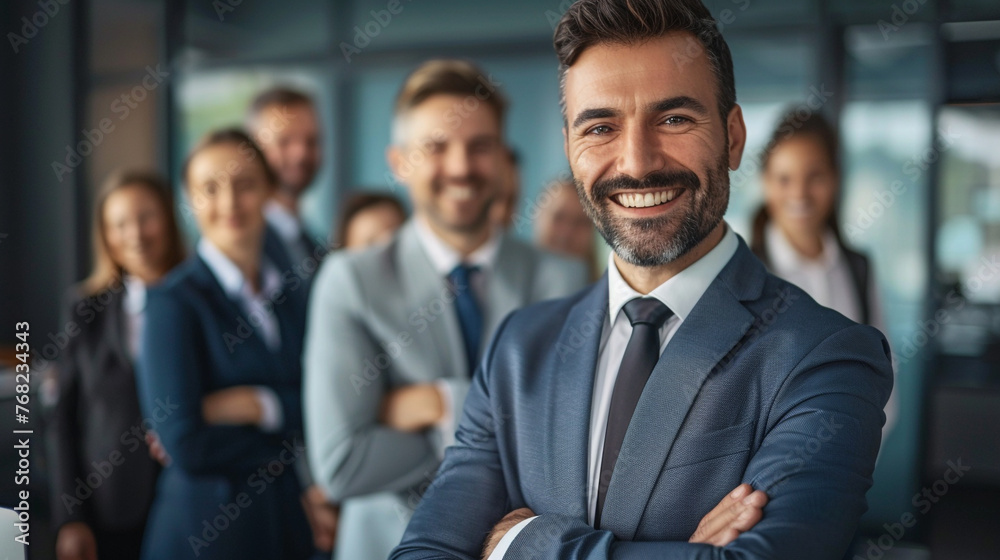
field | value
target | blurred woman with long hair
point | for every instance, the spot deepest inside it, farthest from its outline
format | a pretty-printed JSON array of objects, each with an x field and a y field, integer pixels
[
  {"x": 102, "y": 477},
  {"x": 796, "y": 231}
]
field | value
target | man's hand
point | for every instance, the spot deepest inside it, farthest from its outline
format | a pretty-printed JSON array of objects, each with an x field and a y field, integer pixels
[
  {"x": 501, "y": 528},
  {"x": 233, "y": 406},
  {"x": 323, "y": 518},
  {"x": 735, "y": 514},
  {"x": 412, "y": 408},
  {"x": 76, "y": 542},
  {"x": 156, "y": 449}
]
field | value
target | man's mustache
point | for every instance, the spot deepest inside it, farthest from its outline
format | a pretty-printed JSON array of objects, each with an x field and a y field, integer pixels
[{"x": 660, "y": 179}]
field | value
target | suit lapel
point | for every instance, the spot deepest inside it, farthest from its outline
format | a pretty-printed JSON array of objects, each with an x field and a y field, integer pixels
[
  {"x": 716, "y": 324},
  {"x": 569, "y": 398},
  {"x": 423, "y": 287},
  {"x": 509, "y": 285},
  {"x": 116, "y": 330},
  {"x": 231, "y": 312}
]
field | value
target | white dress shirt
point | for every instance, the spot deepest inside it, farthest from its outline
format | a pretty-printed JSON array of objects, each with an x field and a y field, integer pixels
[
  {"x": 444, "y": 259},
  {"x": 680, "y": 293},
  {"x": 827, "y": 278},
  {"x": 134, "y": 305},
  {"x": 289, "y": 229},
  {"x": 256, "y": 305}
]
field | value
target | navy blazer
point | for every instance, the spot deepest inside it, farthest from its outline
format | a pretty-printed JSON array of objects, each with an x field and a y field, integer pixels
[
  {"x": 760, "y": 384},
  {"x": 230, "y": 491}
]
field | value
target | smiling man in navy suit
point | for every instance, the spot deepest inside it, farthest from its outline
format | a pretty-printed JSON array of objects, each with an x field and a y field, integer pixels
[{"x": 608, "y": 424}]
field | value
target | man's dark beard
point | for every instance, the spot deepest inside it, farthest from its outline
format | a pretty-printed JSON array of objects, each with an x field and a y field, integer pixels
[{"x": 644, "y": 241}]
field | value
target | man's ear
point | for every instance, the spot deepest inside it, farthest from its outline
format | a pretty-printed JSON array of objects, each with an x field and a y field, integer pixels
[
  {"x": 397, "y": 164},
  {"x": 737, "y": 136}
]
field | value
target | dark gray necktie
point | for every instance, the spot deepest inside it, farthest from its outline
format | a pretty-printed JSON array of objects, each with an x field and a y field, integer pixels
[{"x": 647, "y": 315}]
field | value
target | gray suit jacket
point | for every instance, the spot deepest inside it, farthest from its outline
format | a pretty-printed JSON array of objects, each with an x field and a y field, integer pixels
[{"x": 378, "y": 320}]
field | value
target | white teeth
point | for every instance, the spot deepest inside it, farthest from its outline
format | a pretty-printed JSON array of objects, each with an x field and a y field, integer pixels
[
  {"x": 459, "y": 193},
  {"x": 633, "y": 200}
]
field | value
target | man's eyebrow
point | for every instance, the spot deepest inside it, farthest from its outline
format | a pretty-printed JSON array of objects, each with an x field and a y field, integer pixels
[
  {"x": 591, "y": 114},
  {"x": 680, "y": 102}
]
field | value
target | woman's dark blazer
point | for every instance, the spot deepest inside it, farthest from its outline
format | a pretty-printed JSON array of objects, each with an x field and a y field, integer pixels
[
  {"x": 101, "y": 471},
  {"x": 229, "y": 491}
]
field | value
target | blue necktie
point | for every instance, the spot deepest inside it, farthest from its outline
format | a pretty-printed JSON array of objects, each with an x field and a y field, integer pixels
[{"x": 470, "y": 316}]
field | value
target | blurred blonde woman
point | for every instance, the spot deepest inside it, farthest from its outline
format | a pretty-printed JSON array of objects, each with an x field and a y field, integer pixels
[{"x": 96, "y": 423}]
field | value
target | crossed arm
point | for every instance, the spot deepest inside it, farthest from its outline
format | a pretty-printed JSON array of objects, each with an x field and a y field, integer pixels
[{"x": 814, "y": 501}]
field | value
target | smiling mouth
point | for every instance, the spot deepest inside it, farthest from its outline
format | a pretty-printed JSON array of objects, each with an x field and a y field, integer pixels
[
  {"x": 459, "y": 193},
  {"x": 646, "y": 200}
]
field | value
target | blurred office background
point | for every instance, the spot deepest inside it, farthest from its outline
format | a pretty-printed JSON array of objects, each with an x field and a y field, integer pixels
[{"x": 914, "y": 86}]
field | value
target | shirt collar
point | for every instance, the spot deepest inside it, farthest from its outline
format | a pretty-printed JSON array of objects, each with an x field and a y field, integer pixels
[
  {"x": 135, "y": 295},
  {"x": 681, "y": 292},
  {"x": 444, "y": 258},
  {"x": 285, "y": 223},
  {"x": 785, "y": 258},
  {"x": 229, "y": 275}
]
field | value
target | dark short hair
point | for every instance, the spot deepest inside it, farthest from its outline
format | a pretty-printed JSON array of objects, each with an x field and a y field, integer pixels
[
  {"x": 231, "y": 137},
  {"x": 627, "y": 22},
  {"x": 358, "y": 203},
  {"x": 449, "y": 77},
  {"x": 280, "y": 96}
]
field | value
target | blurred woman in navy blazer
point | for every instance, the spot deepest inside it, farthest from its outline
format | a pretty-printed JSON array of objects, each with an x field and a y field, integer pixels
[
  {"x": 220, "y": 373},
  {"x": 102, "y": 477}
]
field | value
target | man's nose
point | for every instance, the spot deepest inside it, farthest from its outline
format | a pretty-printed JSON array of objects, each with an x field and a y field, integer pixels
[{"x": 641, "y": 153}]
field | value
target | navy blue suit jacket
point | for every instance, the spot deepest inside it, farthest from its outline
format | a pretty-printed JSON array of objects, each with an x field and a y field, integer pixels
[
  {"x": 197, "y": 341},
  {"x": 760, "y": 384}
]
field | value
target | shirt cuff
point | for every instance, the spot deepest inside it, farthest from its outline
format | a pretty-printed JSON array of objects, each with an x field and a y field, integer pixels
[
  {"x": 271, "y": 414},
  {"x": 508, "y": 539},
  {"x": 446, "y": 425}
]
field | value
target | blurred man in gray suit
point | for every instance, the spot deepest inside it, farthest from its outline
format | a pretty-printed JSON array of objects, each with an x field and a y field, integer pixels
[{"x": 395, "y": 332}]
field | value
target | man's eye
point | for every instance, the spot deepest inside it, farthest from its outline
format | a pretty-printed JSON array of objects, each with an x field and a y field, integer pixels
[
  {"x": 599, "y": 130},
  {"x": 676, "y": 120}
]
